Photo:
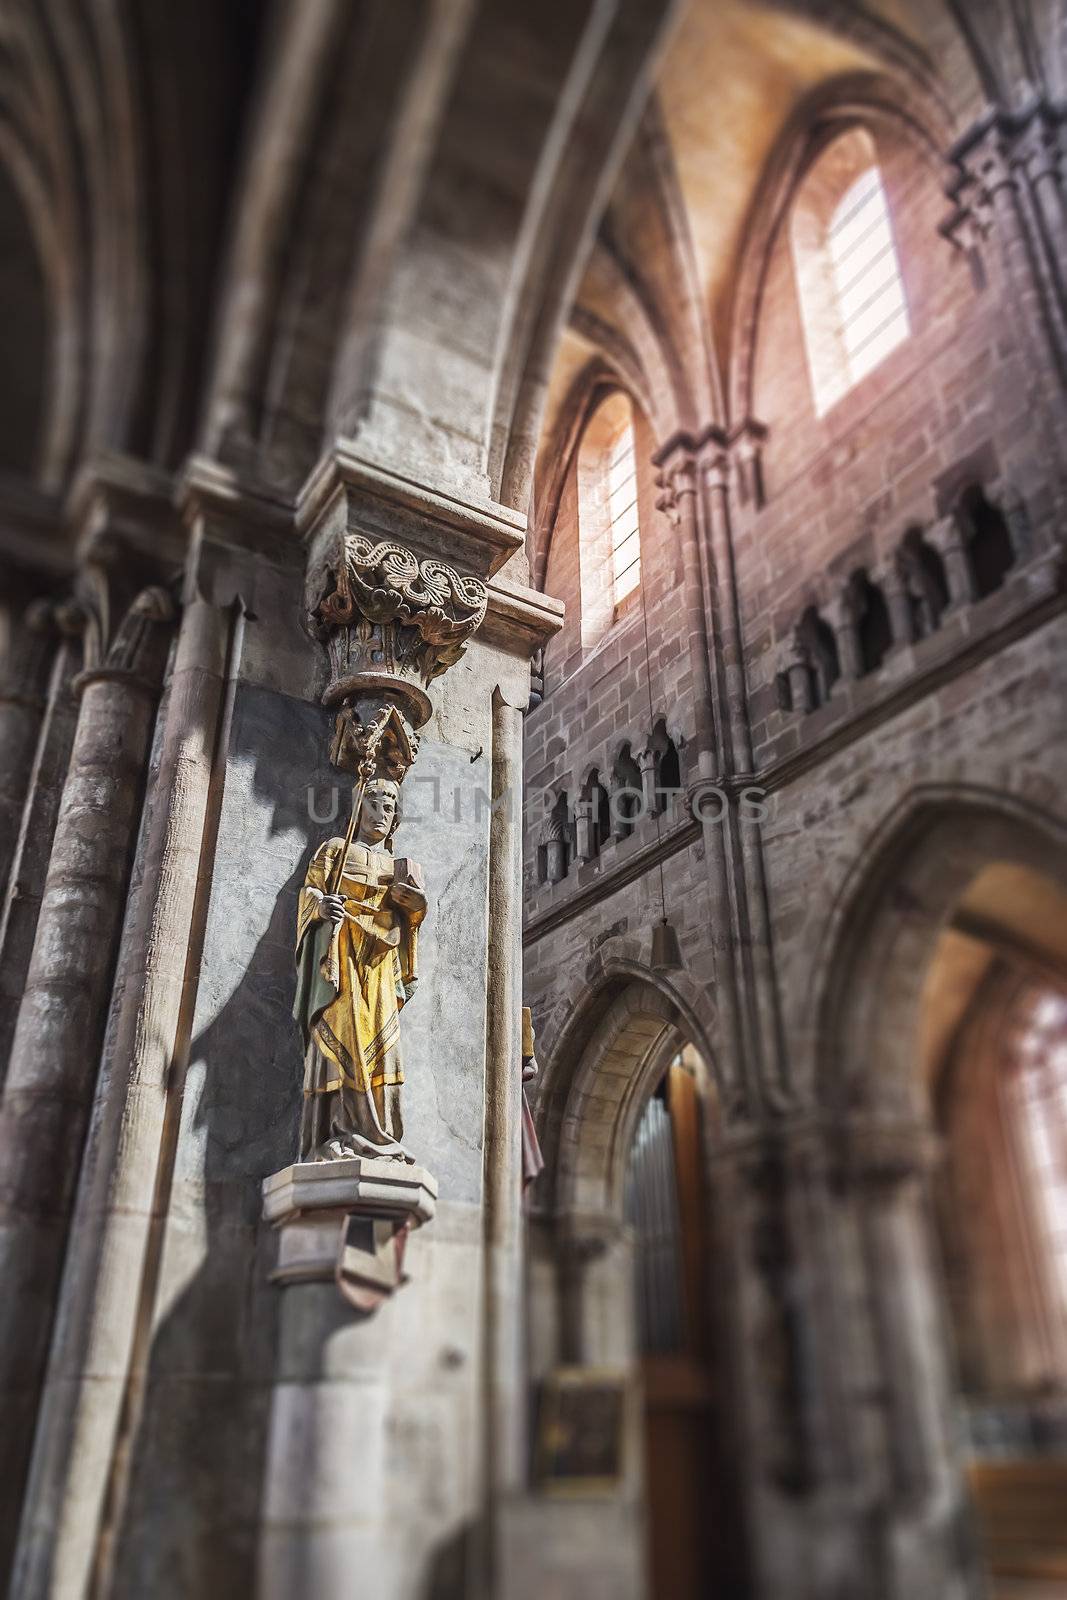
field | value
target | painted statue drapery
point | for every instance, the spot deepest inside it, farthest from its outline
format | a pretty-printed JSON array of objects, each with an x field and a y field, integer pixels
[{"x": 357, "y": 966}]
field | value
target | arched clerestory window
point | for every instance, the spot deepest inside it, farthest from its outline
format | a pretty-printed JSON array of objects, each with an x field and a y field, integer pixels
[
  {"x": 623, "y": 515},
  {"x": 852, "y": 301},
  {"x": 609, "y": 527}
]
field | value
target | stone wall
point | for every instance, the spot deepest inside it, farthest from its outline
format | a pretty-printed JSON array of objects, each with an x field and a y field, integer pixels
[{"x": 828, "y": 1256}]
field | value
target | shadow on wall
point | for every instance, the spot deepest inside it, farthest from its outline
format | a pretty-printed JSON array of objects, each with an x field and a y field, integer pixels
[{"x": 191, "y": 1521}]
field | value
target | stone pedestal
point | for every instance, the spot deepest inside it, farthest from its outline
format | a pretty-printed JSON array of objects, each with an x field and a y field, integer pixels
[{"x": 347, "y": 1220}]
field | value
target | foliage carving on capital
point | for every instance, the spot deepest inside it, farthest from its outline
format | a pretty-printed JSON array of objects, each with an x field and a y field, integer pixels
[{"x": 390, "y": 623}]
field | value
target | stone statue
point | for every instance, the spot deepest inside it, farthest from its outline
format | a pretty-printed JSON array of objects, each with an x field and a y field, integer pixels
[
  {"x": 356, "y": 954},
  {"x": 390, "y": 623}
]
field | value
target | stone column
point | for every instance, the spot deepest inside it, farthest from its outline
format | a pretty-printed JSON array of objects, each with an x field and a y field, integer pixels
[
  {"x": 838, "y": 1391},
  {"x": 584, "y": 824},
  {"x": 1041, "y": 158},
  {"x": 678, "y": 503},
  {"x": 594, "y": 1256},
  {"x": 505, "y": 1431},
  {"x": 923, "y": 1555},
  {"x": 738, "y": 754},
  {"x": 26, "y": 642},
  {"x": 759, "y": 985},
  {"x": 1002, "y": 190},
  {"x": 948, "y": 540},
  {"x": 797, "y": 671},
  {"x": 646, "y": 761},
  {"x": 747, "y": 442},
  {"x": 763, "y": 1335},
  {"x": 681, "y": 503},
  {"x": 891, "y": 580},
  {"x": 102, "y": 1323},
  {"x": 1030, "y": 148},
  {"x": 556, "y": 855},
  {"x": 1016, "y": 514},
  {"x": 21, "y": 905},
  {"x": 397, "y": 1404},
  {"x": 841, "y": 615},
  {"x": 56, "y": 1048}
]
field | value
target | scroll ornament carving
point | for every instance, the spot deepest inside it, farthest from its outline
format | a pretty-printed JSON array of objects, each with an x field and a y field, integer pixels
[{"x": 390, "y": 622}]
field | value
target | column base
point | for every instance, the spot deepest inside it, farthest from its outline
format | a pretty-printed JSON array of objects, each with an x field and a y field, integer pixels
[{"x": 347, "y": 1222}]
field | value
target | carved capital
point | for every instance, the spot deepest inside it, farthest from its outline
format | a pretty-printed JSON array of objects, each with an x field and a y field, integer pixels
[
  {"x": 666, "y": 499},
  {"x": 843, "y": 608},
  {"x": 717, "y": 472},
  {"x": 678, "y": 476},
  {"x": 746, "y": 443},
  {"x": 1003, "y": 151},
  {"x": 945, "y": 535},
  {"x": 1039, "y": 145},
  {"x": 677, "y": 481},
  {"x": 877, "y": 1154},
  {"x": 390, "y": 622},
  {"x": 122, "y": 622}
]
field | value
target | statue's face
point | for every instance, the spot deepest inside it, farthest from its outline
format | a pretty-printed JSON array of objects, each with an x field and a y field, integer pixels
[{"x": 378, "y": 813}]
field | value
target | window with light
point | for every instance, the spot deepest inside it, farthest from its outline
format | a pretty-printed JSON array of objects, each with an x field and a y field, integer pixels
[
  {"x": 622, "y": 512},
  {"x": 1038, "y": 1091},
  {"x": 853, "y": 305},
  {"x": 870, "y": 291},
  {"x": 609, "y": 542}
]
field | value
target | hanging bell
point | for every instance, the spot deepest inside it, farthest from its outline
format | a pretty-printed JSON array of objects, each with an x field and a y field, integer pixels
[{"x": 666, "y": 951}]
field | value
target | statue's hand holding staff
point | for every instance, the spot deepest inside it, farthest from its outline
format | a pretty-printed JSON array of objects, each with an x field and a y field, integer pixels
[{"x": 332, "y": 909}]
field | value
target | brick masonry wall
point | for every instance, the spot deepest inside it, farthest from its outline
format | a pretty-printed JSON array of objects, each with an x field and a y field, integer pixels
[
  {"x": 839, "y": 494},
  {"x": 596, "y": 704},
  {"x": 999, "y": 726},
  {"x": 842, "y": 490}
]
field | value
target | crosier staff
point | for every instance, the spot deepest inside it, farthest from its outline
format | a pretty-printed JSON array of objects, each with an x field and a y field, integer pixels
[{"x": 366, "y": 772}]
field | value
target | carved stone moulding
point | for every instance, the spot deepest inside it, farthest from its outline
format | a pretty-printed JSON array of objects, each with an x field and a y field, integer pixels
[
  {"x": 347, "y": 1222},
  {"x": 390, "y": 622}
]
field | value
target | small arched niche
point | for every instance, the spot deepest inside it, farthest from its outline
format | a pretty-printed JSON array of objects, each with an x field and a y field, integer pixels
[
  {"x": 874, "y": 632},
  {"x": 595, "y": 822},
  {"x": 927, "y": 585},
  {"x": 626, "y": 794},
  {"x": 989, "y": 542},
  {"x": 819, "y": 646},
  {"x": 668, "y": 768}
]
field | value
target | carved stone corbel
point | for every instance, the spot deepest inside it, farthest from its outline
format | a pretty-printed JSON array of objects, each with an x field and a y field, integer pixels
[
  {"x": 347, "y": 1221},
  {"x": 390, "y": 624}
]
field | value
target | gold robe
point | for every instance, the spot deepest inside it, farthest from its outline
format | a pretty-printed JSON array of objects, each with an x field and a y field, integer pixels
[{"x": 352, "y": 985}]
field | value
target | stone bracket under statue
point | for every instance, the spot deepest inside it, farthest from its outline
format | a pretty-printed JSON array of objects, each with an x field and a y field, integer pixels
[
  {"x": 347, "y": 1222},
  {"x": 390, "y": 624}
]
